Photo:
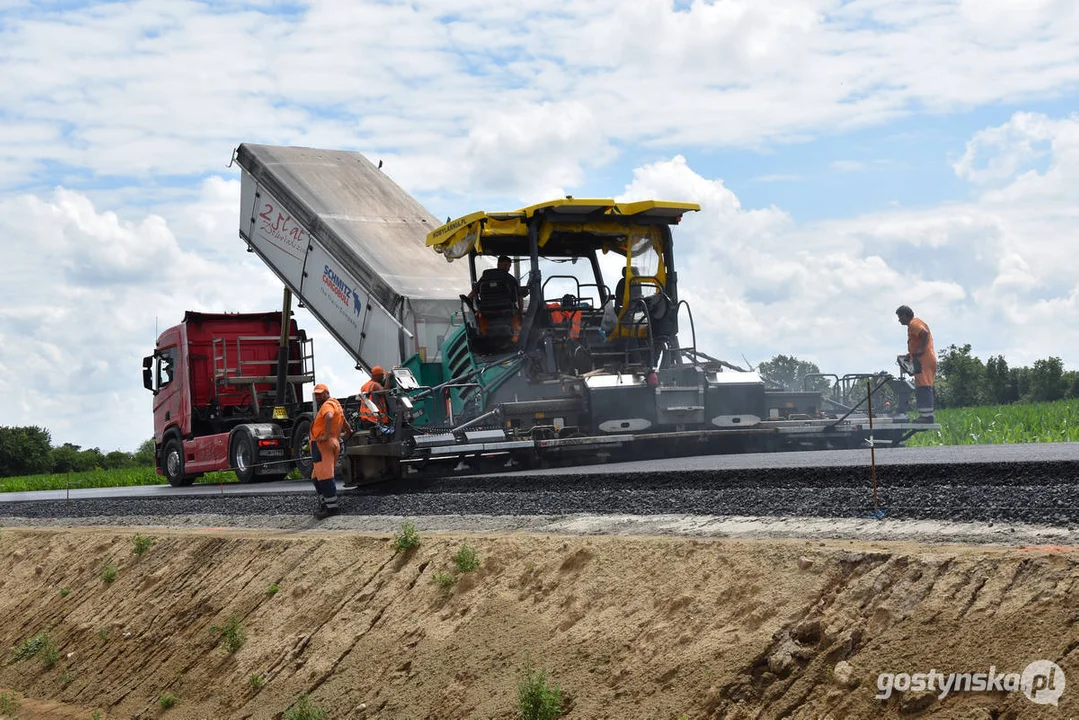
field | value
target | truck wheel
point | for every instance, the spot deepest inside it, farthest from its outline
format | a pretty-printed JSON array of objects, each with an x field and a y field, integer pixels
[
  {"x": 301, "y": 447},
  {"x": 172, "y": 462},
  {"x": 242, "y": 457}
]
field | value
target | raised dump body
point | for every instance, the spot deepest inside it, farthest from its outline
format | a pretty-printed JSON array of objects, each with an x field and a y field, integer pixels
[{"x": 350, "y": 244}]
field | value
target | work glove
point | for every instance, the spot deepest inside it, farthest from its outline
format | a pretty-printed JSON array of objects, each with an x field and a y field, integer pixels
[{"x": 917, "y": 366}]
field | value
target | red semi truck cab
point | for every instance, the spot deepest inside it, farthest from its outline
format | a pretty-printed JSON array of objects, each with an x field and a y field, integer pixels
[{"x": 215, "y": 383}]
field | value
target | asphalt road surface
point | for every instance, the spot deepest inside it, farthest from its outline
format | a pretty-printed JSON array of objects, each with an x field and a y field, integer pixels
[{"x": 1037, "y": 483}]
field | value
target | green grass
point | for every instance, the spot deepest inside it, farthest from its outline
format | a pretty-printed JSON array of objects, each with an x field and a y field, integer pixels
[
  {"x": 108, "y": 574},
  {"x": 141, "y": 543},
  {"x": 304, "y": 709},
  {"x": 167, "y": 700},
  {"x": 466, "y": 559},
  {"x": 231, "y": 635},
  {"x": 536, "y": 699},
  {"x": 443, "y": 580},
  {"x": 408, "y": 538},
  {"x": 9, "y": 704},
  {"x": 1017, "y": 423},
  {"x": 41, "y": 645},
  {"x": 126, "y": 477},
  {"x": 256, "y": 681}
]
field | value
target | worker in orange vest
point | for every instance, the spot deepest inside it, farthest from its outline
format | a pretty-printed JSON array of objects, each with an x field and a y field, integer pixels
[
  {"x": 923, "y": 356},
  {"x": 567, "y": 313},
  {"x": 374, "y": 390},
  {"x": 326, "y": 432}
]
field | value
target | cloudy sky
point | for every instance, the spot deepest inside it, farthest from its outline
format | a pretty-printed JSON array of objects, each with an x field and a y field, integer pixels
[{"x": 849, "y": 156}]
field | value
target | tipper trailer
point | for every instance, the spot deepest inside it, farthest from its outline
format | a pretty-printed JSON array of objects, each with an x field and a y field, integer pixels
[{"x": 548, "y": 364}]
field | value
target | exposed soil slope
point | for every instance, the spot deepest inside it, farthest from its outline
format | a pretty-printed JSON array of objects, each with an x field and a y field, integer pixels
[{"x": 628, "y": 627}]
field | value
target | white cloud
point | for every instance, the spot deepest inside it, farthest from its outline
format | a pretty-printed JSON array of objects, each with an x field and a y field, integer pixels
[
  {"x": 1005, "y": 149},
  {"x": 152, "y": 89},
  {"x": 998, "y": 272}
]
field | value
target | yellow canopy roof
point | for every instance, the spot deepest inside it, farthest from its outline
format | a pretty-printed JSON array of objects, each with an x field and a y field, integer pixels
[{"x": 457, "y": 237}]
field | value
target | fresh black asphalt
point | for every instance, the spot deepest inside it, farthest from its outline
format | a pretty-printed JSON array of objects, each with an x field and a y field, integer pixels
[{"x": 1027, "y": 483}]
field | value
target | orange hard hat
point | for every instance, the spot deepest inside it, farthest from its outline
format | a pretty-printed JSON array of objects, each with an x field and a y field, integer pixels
[
  {"x": 377, "y": 370},
  {"x": 321, "y": 388}
]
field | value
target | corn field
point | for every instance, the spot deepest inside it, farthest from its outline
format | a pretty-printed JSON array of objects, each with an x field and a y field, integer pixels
[{"x": 1018, "y": 423}]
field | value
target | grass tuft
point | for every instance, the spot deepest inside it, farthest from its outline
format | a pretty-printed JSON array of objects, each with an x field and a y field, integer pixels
[
  {"x": 167, "y": 700},
  {"x": 536, "y": 699},
  {"x": 304, "y": 709},
  {"x": 108, "y": 574},
  {"x": 443, "y": 580},
  {"x": 407, "y": 538},
  {"x": 466, "y": 559},
  {"x": 141, "y": 544},
  {"x": 9, "y": 704},
  {"x": 231, "y": 634}
]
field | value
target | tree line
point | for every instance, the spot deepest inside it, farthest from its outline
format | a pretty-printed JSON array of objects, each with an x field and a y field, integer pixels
[
  {"x": 962, "y": 380},
  {"x": 29, "y": 451}
]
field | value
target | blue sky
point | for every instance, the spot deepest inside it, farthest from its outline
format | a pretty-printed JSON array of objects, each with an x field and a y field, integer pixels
[{"x": 848, "y": 157}]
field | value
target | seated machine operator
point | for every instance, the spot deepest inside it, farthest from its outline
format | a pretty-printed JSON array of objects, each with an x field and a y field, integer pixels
[{"x": 505, "y": 289}]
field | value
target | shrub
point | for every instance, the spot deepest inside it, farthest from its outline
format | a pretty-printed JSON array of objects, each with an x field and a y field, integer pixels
[
  {"x": 141, "y": 543},
  {"x": 108, "y": 574},
  {"x": 443, "y": 580},
  {"x": 466, "y": 559},
  {"x": 50, "y": 654},
  {"x": 167, "y": 700},
  {"x": 304, "y": 709},
  {"x": 64, "y": 592},
  {"x": 408, "y": 538},
  {"x": 272, "y": 590},
  {"x": 40, "y": 643},
  {"x": 536, "y": 700},
  {"x": 231, "y": 634},
  {"x": 256, "y": 681}
]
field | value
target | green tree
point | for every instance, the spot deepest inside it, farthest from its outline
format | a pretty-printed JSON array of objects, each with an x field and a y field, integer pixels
[
  {"x": 117, "y": 459},
  {"x": 145, "y": 454},
  {"x": 998, "y": 388},
  {"x": 962, "y": 377},
  {"x": 1019, "y": 382},
  {"x": 1071, "y": 380},
  {"x": 787, "y": 372},
  {"x": 1047, "y": 380},
  {"x": 24, "y": 450},
  {"x": 72, "y": 458}
]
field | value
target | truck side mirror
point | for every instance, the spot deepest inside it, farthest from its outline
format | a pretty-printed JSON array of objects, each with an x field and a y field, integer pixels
[{"x": 148, "y": 373}]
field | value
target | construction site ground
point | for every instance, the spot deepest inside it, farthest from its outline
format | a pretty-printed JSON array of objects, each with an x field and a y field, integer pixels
[{"x": 666, "y": 619}]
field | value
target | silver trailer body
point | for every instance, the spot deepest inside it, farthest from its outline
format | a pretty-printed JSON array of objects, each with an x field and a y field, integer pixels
[{"x": 350, "y": 244}]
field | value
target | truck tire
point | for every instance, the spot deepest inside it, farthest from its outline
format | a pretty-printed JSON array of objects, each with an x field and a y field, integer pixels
[
  {"x": 301, "y": 447},
  {"x": 242, "y": 456},
  {"x": 172, "y": 463}
]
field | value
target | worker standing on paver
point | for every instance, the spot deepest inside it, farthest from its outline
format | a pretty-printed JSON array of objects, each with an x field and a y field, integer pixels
[
  {"x": 326, "y": 433},
  {"x": 923, "y": 357},
  {"x": 374, "y": 390}
]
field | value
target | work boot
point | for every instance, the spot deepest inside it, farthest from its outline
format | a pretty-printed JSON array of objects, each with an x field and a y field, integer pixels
[
  {"x": 324, "y": 511},
  {"x": 924, "y": 420}
]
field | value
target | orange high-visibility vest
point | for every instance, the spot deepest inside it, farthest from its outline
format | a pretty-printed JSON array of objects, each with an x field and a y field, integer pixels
[
  {"x": 561, "y": 317},
  {"x": 366, "y": 416}
]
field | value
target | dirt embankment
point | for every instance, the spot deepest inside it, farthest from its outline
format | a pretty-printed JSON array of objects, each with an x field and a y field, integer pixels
[{"x": 628, "y": 627}]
